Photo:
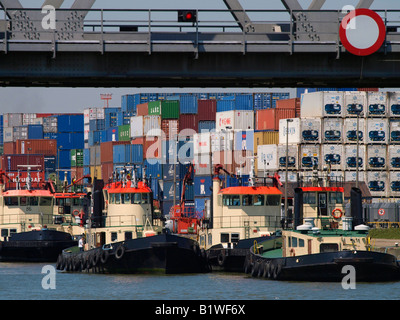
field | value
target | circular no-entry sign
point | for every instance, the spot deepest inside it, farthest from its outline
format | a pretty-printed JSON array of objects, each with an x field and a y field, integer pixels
[
  {"x": 381, "y": 212},
  {"x": 362, "y": 32}
]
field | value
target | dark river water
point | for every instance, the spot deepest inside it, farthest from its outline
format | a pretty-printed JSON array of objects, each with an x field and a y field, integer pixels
[{"x": 24, "y": 281}]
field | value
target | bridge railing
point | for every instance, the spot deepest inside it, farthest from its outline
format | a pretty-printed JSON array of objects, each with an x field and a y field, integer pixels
[{"x": 212, "y": 27}]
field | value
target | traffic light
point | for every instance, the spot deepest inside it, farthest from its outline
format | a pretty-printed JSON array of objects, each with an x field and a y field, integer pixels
[{"x": 187, "y": 16}]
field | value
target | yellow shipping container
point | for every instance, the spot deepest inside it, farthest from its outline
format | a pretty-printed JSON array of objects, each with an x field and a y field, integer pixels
[
  {"x": 261, "y": 138},
  {"x": 95, "y": 171}
]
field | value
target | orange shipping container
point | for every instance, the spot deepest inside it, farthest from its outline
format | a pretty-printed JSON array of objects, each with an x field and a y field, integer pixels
[
  {"x": 268, "y": 119},
  {"x": 47, "y": 147},
  {"x": 288, "y": 103},
  {"x": 107, "y": 171},
  {"x": 106, "y": 150},
  {"x": 9, "y": 148},
  {"x": 142, "y": 109}
]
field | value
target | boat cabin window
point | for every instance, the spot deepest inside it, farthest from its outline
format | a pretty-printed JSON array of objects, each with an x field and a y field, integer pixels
[
  {"x": 335, "y": 197},
  {"x": 328, "y": 247},
  {"x": 309, "y": 198},
  {"x": 232, "y": 201},
  {"x": 117, "y": 198},
  {"x": 273, "y": 200},
  {"x": 235, "y": 237},
  {"x": 224, "y": 237},
  {"x": 45, "y": 201},
  {"x": 129, "y": 198},
  {"x": 11, "y": 201},
  {"x": 295, "y": 242},
  {"x": 126, "y": 198},
  {"x": 247, "y": 200},
  {"x": 33, "y": 201},
  {"x": 112, "y": 197},
  {"x": 259, "y": 200},
  {"x": 114, "y": 236}
]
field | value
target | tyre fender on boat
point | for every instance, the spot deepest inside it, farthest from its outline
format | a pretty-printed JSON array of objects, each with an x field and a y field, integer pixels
[
  {"x": 265, "y": 269},
  {"x": 104, "y": 256},
  {"x": 119, "y": 253},
  {"x": 247, "y": 266},
  {"x": 221, "y": 259},
  {"x": 254, "y": 271},
  {"x": 277, "y": 271}
]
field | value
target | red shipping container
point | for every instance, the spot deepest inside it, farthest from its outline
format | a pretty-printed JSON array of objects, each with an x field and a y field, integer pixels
[
  {"x": 11, "y": 162},
  {"x": 268, "y": 119},
  {"x": 106, "y": 171},
  {"x": 45, "y": 115},
  {"x": 142, "y": 109},
  {"x": 106, "y": 150},
  {"x": 206, "y": 109},
  {"x": 37, "y": 179},
  {"x": 47, "y": 147},
  {"x": 77, "y": 173},
  {"x": 170, "y": 129},
  {"x": 368, "y": 89},
  {"x": 188, "y": 121},
  {"x": 138, "y": 140},
  {"x": 152, "y": 148},
  {"x": 288, "y": 103},
  {"x": 9, "y": 148}
]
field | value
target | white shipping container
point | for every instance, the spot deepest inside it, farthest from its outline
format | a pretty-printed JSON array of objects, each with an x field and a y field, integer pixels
[
  {"x": 92, "y": 113},
  {"x": 8, "y": 134},
  {"x": 309, "y": 156},
  {"x": 310, "y": 130},
  {"x": 235, "y": 120},
  {"x": 267, "y": 157},
  {"x": 394, "y": 131},
  {"x": 376, "y": 157},
  {"x": 394, "y": 184},
  {"x": 293, "y": 156},
  {"x": 377, "y": 104},
  {"x": 322, "y": 104},
  {"x": 136, "y": 127},
  {"x": 332, "y": 130},
  {"x": 293, "y": 130},
  {"x": 86, "y": 114},
  {"x": 100, "y": 113},
  {"x": 393, "y": 160},
  {"x": 152, "y": 126},
  {"x": 350, "y": 176},
  {"x": 12, "y": 120},
  {"x": 377, "y": 182},
  {"x": 292, "y": 176},
  {"x": 202, "y": 143},
  {"x": 350, "y": 129},
  {"x": 350, "y": 156},
  {"x": 394, "y": 104},
  {"x": 333, "y": 154},
  {"x": 244, "y": 140},
  {"x": 222, "y": 141},
  {"x": 86, "y": 130},
  {"x": 355, "y": 103},
  {"x": 377, "y": 131}
]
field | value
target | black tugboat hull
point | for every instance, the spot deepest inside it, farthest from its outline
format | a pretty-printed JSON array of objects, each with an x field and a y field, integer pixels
[
  {"x": 35, "y": 246},
  {"x": 164, "y": 253},
  {"x": 369, "y": 266},
  {"x": 233, "y": 260}
]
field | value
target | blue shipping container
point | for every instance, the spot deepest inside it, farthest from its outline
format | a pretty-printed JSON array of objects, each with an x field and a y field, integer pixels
[
  {"x": 86, "y": 157},
  {"x": 225, "y": 105},
  {"x": 244, "y": 102},
  {"x": 64, "y": 160},
  {"x": 112, "y": 134},
  {"x": 168, "y": 190},
  {"x": 70, "y": 123},
  {"x": 244, "y": 140},
  {"x": 166, "y": 207},
  {"x": 200, "y": 207},
  {"x": 153, "y": 168},
  {"x": 188, "y": 104},
  {"x": 206, "y": 126},
  {"x": 49, "y": 164},
  {"x": 129, "y": 102},
  {"x": 128, "y": 154},
  {"x": 35, "y": 131},
  {"x": 202, "y": 186}
]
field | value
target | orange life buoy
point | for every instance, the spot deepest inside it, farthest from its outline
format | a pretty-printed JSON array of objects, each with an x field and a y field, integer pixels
[
  {"x": 75, "y": 214},
  {"x": 292, "y": 252},
  {"x": 337, "y": 213}
]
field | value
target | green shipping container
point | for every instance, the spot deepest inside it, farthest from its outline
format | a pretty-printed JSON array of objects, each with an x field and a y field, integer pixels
[
  {"x": 167, "y": 109},
  {"x": 76, "y": 158},
  {"x": 124, "y": 132}
]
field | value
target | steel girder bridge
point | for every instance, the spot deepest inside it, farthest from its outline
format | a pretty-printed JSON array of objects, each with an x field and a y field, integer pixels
[{"x": 295, "y": 47}]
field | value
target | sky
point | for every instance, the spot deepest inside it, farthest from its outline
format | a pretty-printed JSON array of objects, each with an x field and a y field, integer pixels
[{"x": 21, "y": 99}]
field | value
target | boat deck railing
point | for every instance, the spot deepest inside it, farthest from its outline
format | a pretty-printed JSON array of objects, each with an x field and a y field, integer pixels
[
  {"x": 27, "y": 219},
  {"x": 250, "y": 222}
]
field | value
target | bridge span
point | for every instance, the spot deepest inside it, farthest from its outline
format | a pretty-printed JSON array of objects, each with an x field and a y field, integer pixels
[{"x": 295, "y": 47}]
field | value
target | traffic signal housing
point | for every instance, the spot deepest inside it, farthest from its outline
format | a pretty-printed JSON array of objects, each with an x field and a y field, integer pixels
[{"x": 187, "y": 16}]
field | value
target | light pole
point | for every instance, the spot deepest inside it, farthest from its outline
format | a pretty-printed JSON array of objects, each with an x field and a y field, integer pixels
[{"x": 286, "y": 172}]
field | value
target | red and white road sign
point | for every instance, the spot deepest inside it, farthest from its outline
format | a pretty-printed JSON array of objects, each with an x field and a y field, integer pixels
[
  {"x": 362, "y": 32},
  {"x": 381, "y": 212}
]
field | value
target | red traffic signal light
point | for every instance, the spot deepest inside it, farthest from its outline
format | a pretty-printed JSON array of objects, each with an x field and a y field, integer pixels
[{"x": 187, "y": 16}]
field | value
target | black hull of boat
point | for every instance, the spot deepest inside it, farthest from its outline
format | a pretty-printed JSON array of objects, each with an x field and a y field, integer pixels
[
  {"x": 164, "y": 253},
  {"x": 233, "y": 260},
  {"x": 35, "y": 246},
  {"x": 369, "y": 266}
]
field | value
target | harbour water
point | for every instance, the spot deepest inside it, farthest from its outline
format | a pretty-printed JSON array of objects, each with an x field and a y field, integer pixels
[{"x": 22, "y": 281}]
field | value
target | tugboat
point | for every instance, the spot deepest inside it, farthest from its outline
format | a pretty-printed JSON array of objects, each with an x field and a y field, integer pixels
[
  {"x": 322, "y": 241},
  {"x": 26, "y": 221},
  {"x": 240, "y": 216},
  {"x": 127, "y": 238}
]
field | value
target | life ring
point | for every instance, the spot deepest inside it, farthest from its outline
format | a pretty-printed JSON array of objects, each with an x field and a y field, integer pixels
[
  {"x": 337, "y": 213},
  {"x": 119, "y": 253},
  {"x": 77, "y": 214},
  {"x": 292, "y": 252}
]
